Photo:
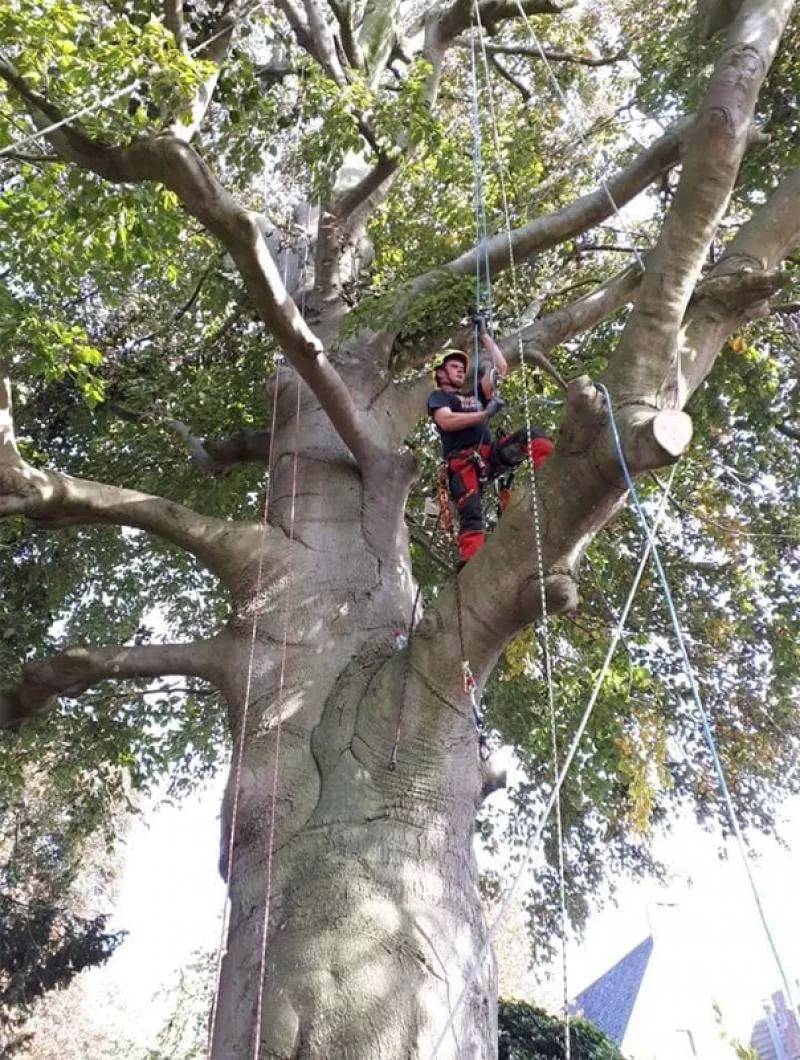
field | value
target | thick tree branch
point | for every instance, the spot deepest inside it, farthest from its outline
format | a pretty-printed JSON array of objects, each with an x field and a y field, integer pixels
[
  {"x": 173, "y": 162},
  {"x": 564, "y": 323},
  {"x": 173, "y": 20},
  {"x": 75, "y": 670},
  {"x": 581, "y": 215},
  {"x": 312, "y": 32},
  {"x": 741, "y": 283},
  {"x": 788, "y": 432},
  {"x": 8, "y": 443},
  {"x": 347, "y": 33},
  {"x": 54, "y": 500},
  {"x": 218, "y": 456},
  {"x": 214, "y": 51},
  {"x": 643, "y": 366},
  {"x": 515, "y": 82},
  {"x": 456, "y": 18}
]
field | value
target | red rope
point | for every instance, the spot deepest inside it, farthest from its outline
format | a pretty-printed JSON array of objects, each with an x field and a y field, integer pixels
[
  {"x": 279, "y": 719},
  {"x": 222, "y": 949}
]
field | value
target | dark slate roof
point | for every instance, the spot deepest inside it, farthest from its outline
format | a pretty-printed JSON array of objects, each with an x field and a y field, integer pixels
[{"x": 609, "y": 1001}]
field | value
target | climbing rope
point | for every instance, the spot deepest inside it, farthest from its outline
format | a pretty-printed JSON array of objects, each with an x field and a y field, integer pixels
[
  {"x": 270, "y": 845},
  {"x": 239, "y": 752},
  {"x": 483, "y": 274},
  {"x": 262, "y": 973},
  {"x": 537, "y": 532},
  {"x": 579, "y": 130},
  {"x": 532, "y": 846},
  {"x": 705, "y": 721},
  {"x": 222, "y": 949}
]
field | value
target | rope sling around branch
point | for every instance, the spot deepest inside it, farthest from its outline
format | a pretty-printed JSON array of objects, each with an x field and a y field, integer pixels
[
  {"x": 701, "y": 710},
  {"x": 533, "y": 844}
]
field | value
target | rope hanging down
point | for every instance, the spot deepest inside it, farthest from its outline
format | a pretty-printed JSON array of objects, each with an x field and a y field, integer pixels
[
  {"x": 245, "y": 714},
  {"x": 239, "y": 753},
  {"x": 537, "y": 530},
  {"x": 701, "y": 710},
  {"x": 262, "y": 972},
  {"x": 533, "y": 843},
  {"x": 270, "y": 844},
  {"x": 483, "y": 275}
]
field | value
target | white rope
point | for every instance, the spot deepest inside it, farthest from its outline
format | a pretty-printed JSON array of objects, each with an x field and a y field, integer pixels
[
  {"x": 112, "y": 97},
  {"x": 545, "y": 625},
  {"x": 533, "y": 844},
  {"x": 579, "y": 130}
]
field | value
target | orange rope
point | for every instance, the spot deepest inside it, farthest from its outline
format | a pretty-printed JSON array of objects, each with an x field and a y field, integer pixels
[
  {"x": 279, "y": 717},
  {"x": 222, "y": 949}
]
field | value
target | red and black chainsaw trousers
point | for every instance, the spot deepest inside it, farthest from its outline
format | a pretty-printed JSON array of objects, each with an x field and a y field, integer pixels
[{"x": 469, "y": 470}]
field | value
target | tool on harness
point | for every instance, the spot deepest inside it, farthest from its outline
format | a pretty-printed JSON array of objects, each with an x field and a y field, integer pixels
[
  {"x": 481, "y": 467},
  {"x": 443, "y": 497}
]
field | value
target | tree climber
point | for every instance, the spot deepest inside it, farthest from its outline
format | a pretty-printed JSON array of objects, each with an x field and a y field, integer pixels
[{"x": 471, "y": 457}]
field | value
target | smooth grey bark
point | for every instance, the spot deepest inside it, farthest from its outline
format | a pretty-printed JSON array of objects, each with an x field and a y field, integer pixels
[{"x": 368, "y": 876}]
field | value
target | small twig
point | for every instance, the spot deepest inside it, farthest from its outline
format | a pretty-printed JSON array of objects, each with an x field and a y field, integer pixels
[
  {"x": 532, "y": 52},
  {"x": 504, "y": 72}
]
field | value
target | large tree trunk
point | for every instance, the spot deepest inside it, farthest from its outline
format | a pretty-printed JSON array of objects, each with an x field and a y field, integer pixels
[{"x": 374, "y": 919}]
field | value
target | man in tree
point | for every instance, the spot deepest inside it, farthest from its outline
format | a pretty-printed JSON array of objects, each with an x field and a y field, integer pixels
[
  {"x": 134, "y": 262},
  {"x": 471, "y": 458}
]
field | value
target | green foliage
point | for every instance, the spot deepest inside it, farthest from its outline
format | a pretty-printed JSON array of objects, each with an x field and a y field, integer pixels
[
  {"x": 118, "y": 314},
  {"x": 529, "y": 1033},
  {"x": 43, "y": 948},
  {"x": 67, "y": 51}
]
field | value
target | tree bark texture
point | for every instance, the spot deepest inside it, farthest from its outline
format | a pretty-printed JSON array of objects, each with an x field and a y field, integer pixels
[
  {"x": 373, "y": 913},
  {"x": 355, "y": 920}
]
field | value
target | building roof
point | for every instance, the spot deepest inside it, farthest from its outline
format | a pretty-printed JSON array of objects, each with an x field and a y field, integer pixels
[{"x": 609, "y": 1001}]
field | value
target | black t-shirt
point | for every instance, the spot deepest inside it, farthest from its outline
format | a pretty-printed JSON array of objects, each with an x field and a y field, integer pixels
[{"x": 470, "y": 437}]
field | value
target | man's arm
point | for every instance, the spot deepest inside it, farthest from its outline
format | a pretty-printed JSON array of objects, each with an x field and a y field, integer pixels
[{"x": 499, "y": 363}]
